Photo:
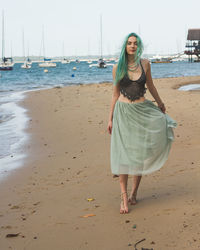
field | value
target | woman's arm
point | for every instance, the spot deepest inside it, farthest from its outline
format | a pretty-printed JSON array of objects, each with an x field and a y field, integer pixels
[
  {"x": 152, "y": 89},
  {"x": 114, "y": 99}
]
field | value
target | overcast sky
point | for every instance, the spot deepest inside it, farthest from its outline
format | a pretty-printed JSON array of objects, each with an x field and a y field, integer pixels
[{"x": 161, "y": 24}]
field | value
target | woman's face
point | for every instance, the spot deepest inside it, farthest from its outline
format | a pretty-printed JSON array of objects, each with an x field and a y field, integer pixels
[{"x": 131, "y": 46}]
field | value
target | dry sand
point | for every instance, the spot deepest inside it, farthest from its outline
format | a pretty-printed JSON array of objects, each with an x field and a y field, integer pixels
[{"x": 68, "y": 162}]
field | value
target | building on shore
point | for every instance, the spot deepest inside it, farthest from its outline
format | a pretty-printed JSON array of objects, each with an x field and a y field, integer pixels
[{"x": 193, "y": 45}]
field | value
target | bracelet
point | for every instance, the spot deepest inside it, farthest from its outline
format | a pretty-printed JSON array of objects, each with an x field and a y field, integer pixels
[{"x": 161, "y": 105}]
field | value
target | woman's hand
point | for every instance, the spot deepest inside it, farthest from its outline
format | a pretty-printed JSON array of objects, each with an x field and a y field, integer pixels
[
  {"x": 109, "y": 128},
  {"x": 162, "y": 107}
]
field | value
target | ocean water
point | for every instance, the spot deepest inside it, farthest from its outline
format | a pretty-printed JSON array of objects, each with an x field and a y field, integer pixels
[{"x": 14, "y": 84}]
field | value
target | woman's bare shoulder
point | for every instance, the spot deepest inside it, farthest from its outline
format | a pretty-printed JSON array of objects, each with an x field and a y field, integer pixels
[
  {"x": 145, "y": 61},
  {"x": 145, "y": 64}
]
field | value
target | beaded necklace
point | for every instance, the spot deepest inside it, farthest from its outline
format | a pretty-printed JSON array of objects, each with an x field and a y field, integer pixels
[{"x": 132, "y": 67}]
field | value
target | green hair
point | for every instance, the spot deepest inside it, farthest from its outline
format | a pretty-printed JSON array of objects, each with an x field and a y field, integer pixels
[{"x": 122, "y": 67}]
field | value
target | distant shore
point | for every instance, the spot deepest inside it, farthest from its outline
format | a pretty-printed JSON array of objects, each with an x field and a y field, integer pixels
[{"x": 44, "y": 202}]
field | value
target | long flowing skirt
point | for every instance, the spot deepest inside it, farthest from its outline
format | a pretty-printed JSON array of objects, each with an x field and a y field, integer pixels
[{"x": 141, "y": 138}]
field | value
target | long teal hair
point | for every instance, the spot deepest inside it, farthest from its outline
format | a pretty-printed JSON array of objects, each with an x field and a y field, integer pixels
[{"x": 122, "y": 68}]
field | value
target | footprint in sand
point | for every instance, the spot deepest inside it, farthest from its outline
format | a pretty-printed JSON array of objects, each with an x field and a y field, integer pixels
[
  {"x": 6, "y": 227},
  {"x": 37, "y": 203},
  {"x": 168, "y": 211}
]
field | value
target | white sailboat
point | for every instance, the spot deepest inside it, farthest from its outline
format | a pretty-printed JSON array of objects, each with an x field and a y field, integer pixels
[
  {"x": 6, "y": 62},
  {"x": 26, "y": 65},
  {"x": 28, "y": 60},
  {"x": 101, "y": 63},
  {"x": 47, "y": 61}
]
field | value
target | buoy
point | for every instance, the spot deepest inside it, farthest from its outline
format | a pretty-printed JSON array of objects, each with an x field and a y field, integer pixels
[
  {"x": 46, "y": 71},
  {"x": 73, "y": 75},
  {"x": 74, "y": 68}
]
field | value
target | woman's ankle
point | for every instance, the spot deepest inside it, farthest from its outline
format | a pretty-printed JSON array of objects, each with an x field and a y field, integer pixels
[{"x": 133, "y": 193}]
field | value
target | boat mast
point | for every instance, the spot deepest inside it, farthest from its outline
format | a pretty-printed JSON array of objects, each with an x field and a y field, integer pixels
[
  {"x": 63, "y": 50},
  {"x": 11, "y": 49},
  {"x": 43, "y": 41},
  {"x": 101, "y": 33},
  {"x": 23, "y": 47},
  {"x": 3, "y": 45},
  {"x": 28, "y": 49},
  {"x": 88, "y": 48}
]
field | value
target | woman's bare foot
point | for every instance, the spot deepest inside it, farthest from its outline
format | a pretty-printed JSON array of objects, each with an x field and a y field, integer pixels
[
  {"x": 115, "y": 175},
  {"x": 124, "y": 203},
  {"x": 132, "y": 199}
]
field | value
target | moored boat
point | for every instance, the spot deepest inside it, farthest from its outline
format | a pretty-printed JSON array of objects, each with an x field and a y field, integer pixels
[
  {"x": 26, "y": 66},
  {"x": 6, "y": 62},
  {"x": 161, "y": 60},
  {"x": 65, "y": 61},
  {"x": 47, "y": 64},
  {"x": 27, "y": 62},
  {"x": 101, "y": 63}
]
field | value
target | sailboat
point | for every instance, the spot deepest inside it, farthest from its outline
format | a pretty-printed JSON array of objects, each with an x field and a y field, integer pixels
[
  {"x": 101, "y": 63},
  {"x": 7, "y": 62},
  {"x": 28, "y": 60},
  {"x": 65, "y": 61},
  {"x": 47, "y": 61},
  {"x": 26, "y": 65}
]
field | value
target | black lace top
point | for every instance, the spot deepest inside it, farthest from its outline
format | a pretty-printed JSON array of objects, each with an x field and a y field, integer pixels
[{"x": 133, "y": 90}]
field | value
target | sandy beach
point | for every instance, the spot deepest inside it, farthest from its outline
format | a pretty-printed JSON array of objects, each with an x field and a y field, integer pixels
[{"x": 64, "y": 196}]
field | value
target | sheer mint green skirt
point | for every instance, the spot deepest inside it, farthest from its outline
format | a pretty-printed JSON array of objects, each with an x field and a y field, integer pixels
[{"x": 141, "y": 138}]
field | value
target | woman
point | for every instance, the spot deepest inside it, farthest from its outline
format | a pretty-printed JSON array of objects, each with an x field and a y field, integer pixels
[{"x": 141, "y": 132}]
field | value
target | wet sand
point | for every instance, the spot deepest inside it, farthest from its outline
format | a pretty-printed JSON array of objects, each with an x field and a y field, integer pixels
[{"x": 45, "y": 202}]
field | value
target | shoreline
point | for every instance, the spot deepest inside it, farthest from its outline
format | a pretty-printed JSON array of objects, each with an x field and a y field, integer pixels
[
  {"x": 13, "y": 124},
  {"x": 68, "y": 162},
  {"x": 22, "y": 95}
]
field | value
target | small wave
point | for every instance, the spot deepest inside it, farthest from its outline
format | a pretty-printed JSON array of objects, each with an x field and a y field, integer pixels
[
  {"x": 7, "y": 90},
  {"x": 35, "y": 87},
  {"x": 189, "y": 87},
  {"x": 5, "y": 118},
  {"x": 13, "y": 120}
]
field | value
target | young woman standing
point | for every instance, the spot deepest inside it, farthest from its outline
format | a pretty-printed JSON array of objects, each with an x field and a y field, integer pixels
[{"x": 141, "y": 132}]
